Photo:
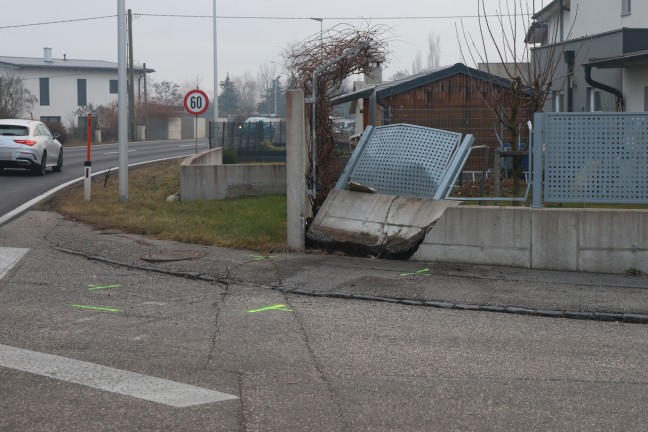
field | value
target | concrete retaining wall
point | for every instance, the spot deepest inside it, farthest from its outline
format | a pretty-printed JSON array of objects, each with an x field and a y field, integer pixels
[
  {"x": 590, "y": 240},
  {"x": 204, "y": 177}
]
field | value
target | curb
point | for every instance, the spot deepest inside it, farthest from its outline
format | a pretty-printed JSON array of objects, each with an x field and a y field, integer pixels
[{"x": 629, "y": 318}]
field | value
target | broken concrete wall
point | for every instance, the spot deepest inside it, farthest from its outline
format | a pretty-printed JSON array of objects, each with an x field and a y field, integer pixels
[{"x": 385, "y": 226}]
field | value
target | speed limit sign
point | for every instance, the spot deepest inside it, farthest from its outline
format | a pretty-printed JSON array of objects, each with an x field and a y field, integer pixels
[{"x": 196, "y": 102}]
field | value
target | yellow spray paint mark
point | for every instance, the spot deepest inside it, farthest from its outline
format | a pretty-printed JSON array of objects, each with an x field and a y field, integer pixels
[
  {"x": 281, "y": 307},
  {"x": 101, "y": 287},
  {"x": 96, "y": 308},
  {"x": 422, "y": 272}
]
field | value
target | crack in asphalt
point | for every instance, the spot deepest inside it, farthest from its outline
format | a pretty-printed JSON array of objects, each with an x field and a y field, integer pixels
[
  {"x": 631, "y": 318},
  {"x": 242, "y": 404},
  {"x": 214, "y": 339},
  {"x": 344, "y": 422}
]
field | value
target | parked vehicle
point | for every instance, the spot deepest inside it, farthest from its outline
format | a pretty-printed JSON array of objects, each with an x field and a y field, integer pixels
[
  {"x": 257, "y": 127},
  {"x": 29, "y": 144}
]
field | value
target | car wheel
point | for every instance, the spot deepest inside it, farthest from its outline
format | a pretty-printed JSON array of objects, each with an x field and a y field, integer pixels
[
  {"x": 59, "y": 163},
  {"x": 39, "y": 170}
]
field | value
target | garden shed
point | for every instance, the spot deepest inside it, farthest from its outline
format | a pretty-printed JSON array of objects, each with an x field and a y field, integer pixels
[{"x": 456, "y": 98}]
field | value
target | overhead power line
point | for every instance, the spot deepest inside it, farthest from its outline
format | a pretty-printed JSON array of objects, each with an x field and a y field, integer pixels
[
  {"x": 368, "y": 18},
  {"x": 58, "y": 22},
  {"x": 439, "y": 17}
]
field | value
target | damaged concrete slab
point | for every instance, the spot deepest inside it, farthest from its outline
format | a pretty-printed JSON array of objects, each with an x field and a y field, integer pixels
[{"x": 380, "y": 225}]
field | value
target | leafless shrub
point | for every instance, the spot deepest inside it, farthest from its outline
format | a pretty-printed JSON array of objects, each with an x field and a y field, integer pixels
[
  {"x": 529, "y": 78},
  {"x": 335, "y": 54}
]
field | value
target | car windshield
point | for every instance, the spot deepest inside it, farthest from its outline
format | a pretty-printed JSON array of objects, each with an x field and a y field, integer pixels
[{"x": 12, "y": 130}]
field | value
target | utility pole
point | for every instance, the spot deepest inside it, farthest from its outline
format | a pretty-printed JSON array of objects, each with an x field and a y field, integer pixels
[
  {"x": 146, "y": 102},
  {"x": 131, "y": 80},
  {"x": 121, "y": 87}
]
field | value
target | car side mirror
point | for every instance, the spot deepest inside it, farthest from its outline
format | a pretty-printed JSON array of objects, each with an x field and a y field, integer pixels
[{"x": 56, "y": 135}]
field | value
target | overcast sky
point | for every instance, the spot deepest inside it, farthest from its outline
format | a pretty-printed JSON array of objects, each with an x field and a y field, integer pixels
[{"x": 181, "y": 48}]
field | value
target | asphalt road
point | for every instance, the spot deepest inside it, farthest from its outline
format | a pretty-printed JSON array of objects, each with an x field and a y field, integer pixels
[
  {"x": 292, "y": 362},
  {"x": 20, "y": 186}
]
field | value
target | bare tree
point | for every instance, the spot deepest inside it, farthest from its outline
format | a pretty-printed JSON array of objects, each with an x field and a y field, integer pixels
[
  {"x": 167, "y": 93},
  {"x": 248, "y": 89},
  {"x": 344, "y": 50},
  {"x": 15, "y": 98},
  {"x": 527, "y": 78},
  {"x": 192, "y": 84},
  {"x": 400, "y": 74},
  {"x": 434, "y": 51},
  {"x": 266, "y": 76},
  {"x": 417, "y": 63}
]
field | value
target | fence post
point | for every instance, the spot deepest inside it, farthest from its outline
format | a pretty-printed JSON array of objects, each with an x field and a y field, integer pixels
[
  {"x": 537, "y": 172},
  {"x": 497, "y": 172},
  {"x": 297, "y": 165}
]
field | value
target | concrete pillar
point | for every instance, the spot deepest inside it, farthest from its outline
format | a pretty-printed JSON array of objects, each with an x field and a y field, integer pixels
[
  {"x": 141, "y": 133},
  {"x": 297, "y": 161}
]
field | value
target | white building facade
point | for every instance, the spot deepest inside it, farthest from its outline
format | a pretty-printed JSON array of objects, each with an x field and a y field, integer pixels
[
  {"x": 62, "y": 85},
  {"x": 601, "y": 49}
]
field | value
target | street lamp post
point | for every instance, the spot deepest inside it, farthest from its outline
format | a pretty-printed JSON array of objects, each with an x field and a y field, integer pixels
[
  {"x": 215, "y": 131},
  {"x": 321, "y": 21},
  {"x": 275, "y": 94}
]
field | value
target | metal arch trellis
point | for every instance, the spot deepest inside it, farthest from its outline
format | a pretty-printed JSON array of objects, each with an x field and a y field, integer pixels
[{"x": 313, "y": 101}]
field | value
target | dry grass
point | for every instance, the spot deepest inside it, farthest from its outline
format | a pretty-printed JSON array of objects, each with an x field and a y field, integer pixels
[{"x": 255, "y": 223}]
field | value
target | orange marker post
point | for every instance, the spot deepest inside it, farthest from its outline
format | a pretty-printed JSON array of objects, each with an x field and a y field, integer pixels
[{"x": 88, "y": 165}]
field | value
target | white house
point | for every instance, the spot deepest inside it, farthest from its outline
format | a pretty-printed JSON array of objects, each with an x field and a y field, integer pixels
[
  {"x": 602, "y": 53},
  {"x": 63, "y": 85}
]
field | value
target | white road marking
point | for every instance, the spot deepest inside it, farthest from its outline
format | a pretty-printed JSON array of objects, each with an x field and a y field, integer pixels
[
  {"x": 9, "y": 257},
  {"x": 105, "y": 378},
  {"x": 117, "y": 152},
  {"x": 18, "y": 210},
  {"x": 186, "y": 145}
]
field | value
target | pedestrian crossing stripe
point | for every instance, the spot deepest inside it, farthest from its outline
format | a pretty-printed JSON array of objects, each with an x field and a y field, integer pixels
[{"x": 9, "y": 257}]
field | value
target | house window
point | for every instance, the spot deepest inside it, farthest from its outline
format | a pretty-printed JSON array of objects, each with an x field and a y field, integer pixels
[
  {"x": 50, "y": 119},
  {"x": 82, "y": 99},
  {"x": 559, "y": 102},
  {"x": 44, "y": 91},
  {"x": 594, "y": 100},
  {"x": 114, "y": 86},
  {"x": 626, "y": 7}
]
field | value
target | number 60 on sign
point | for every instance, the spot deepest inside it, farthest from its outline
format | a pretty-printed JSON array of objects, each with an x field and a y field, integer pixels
[{"x": 196, "y": 102}]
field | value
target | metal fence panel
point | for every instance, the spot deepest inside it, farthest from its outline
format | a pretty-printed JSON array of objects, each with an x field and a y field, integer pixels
[
  {"x": 482, "y": 123},
  {"x": 596, "y": 158},
  {"x": 406, "y": 160}
]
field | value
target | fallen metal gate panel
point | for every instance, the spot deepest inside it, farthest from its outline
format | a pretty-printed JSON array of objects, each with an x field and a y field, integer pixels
[{"x": 403, "y": 160}]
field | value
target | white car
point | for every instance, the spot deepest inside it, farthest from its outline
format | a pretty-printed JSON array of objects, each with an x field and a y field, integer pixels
[{"x": 29, "y": 144}]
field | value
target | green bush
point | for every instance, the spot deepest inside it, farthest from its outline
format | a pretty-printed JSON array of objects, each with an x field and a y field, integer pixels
[{"x": 230, "y": 156}]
